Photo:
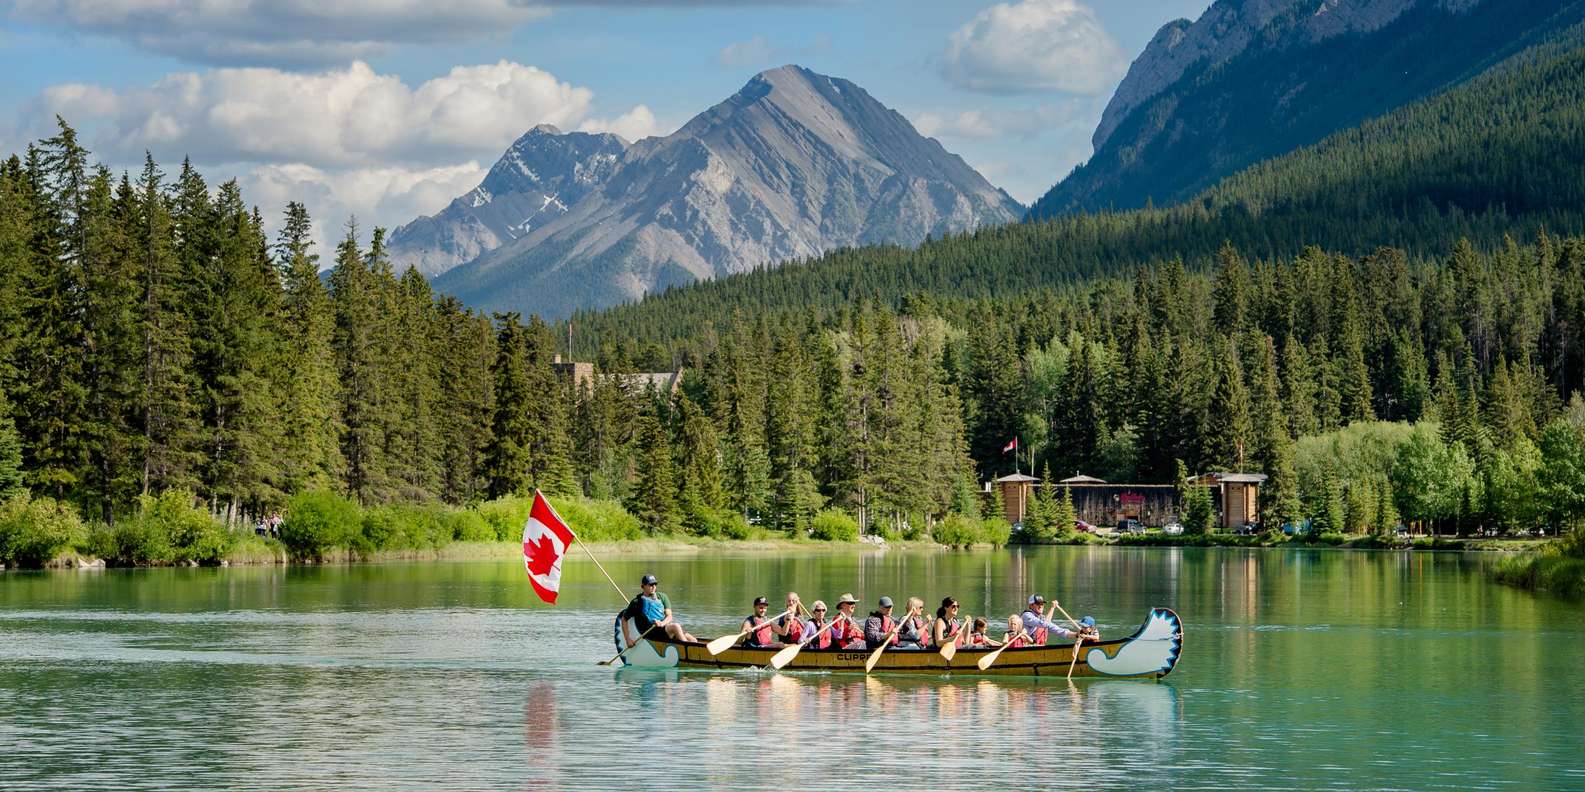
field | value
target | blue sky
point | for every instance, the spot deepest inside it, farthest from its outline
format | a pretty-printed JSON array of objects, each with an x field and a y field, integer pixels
[{"x": 388, "y": 108}]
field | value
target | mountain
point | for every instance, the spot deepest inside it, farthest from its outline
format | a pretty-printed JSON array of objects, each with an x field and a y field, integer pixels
[
  {"x": 1254, "y": 79},
  {"x": 793, "y": 165},
  {"x": 543, "y": 173},
  {"x": 1494, "y": 159}
]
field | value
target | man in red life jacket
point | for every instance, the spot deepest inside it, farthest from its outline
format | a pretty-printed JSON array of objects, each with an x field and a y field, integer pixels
[
  {"x": 1039, "y": 626},
  {"x": 844, "y": 629},
  {"x": 878, "y": 627},
  {"x": 765, "y": 636}
]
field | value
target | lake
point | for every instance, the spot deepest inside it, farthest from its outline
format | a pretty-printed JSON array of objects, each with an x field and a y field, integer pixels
[{"x": 1301, "y": 669}]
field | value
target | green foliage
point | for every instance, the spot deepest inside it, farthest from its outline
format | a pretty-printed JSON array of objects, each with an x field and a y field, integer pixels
[
  {"x": 959, "y": 531},
  {"x": 595, "y": 520},
  {"x": 318, "y": 521},
  {"x": 1555, "y": 572},
  {"x": 33, "y": 531},
  {"x": 167, "y": 529},
  {"x": 834, "y": 525}
]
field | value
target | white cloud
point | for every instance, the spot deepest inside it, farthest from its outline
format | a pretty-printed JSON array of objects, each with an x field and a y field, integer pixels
[
  {"x": 346, "y": 141},
  {"x": 633, "y": 125},
  {"x": 276, "y": 32},
  {"x": 967, "y": 124},
  {"x": 756, "y": 51},
  {"x": 1025, "y": 122},
  {"x": 1035, "y": 45},
  {"x": 351, "y": 117}
]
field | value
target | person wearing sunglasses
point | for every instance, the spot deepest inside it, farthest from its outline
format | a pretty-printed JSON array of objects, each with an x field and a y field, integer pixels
[{"x": 817, "y": 626}]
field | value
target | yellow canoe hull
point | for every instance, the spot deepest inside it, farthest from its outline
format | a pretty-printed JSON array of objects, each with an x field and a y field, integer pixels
[{"x": 1152, "y": 652}]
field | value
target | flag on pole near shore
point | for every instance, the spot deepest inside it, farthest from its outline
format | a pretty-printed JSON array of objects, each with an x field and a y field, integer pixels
[
  {"x": 545, "y": 540},
  {"x": 1011, "y": 446}
]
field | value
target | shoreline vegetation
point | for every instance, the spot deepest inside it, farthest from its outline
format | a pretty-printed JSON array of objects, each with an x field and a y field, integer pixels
[{"x": 327, "y": 529}]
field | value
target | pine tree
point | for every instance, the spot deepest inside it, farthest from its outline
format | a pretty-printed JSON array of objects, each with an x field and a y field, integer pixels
[
  {"x": 1228, "y": 430},
  {"x": 549, "y": 466},
  {"x": 466, "y": 354},
  {"x": 741, "y": 414},
  {"x": 1272, "y": 450},
  {"x": 790, "y": 412},
  {"x": 357, "y": 343},
  {"x": 1231, "y": 290},
  {"x": 413, "y": 441},
  {"x": 1081, "y": 415},
  {"x": 1353, "y": 375},
  {"x": 166, "y": 413},
  {"x": 698, "y": 463},
  {"x": 11, "y": 480},
  {"x": 1065, "y": 517},
  {"x": 311, "y": 421},
  {"x": 110, "y": 344},
  {"x": 507, "y": 455},
  {"x": 653, "y": 499}
]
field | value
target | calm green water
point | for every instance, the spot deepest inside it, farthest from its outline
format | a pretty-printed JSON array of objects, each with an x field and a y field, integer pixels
[{"x": 1301, "y": 670}]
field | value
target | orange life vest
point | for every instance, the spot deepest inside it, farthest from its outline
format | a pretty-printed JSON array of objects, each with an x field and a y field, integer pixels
[{"x": 762, "y": 636}]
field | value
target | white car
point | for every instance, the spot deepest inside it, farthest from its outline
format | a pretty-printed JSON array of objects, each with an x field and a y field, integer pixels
[{"x": 1172, "y": 529}]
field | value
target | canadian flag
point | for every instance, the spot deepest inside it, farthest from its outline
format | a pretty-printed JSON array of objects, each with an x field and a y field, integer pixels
[
  {"x": 1011, "y": 446},
  {"x": 545, "y": 540}
]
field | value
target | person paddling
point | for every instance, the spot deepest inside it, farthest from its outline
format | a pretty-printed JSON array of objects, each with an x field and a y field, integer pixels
[
  {"x": 1040, "y": 627},
  {"x": 765, "y": 636},
  {"x": 947, "y": 629},
  {"x": 844, "y": 628},
  {"x": 878, "y": 627},
  {"x": 789, "y": 626},
  {"x": 819, "y": 627},
  {"x": 1016, "y": 636},
  {"x": 651, "y": 609},
  {"x": 915, "y": 632},
  {"x": 978, "y": 636}
]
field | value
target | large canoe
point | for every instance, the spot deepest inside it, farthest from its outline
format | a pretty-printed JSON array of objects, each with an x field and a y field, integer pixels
[{"x": 1151, "y": 652}]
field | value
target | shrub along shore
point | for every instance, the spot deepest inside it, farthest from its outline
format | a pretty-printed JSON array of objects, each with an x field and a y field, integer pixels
[{"x": 325, "y": 527}]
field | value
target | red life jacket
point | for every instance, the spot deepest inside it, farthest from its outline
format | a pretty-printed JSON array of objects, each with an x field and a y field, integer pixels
[
  {"x": 824, "y": 637},
  {"x": 795, "y": 629},
  {"x": 762, "y": 636},
  {"x": 1039, "y": 636},
  {"x": 1015, "y": 643},
  {"x": 847, "y": 632}
]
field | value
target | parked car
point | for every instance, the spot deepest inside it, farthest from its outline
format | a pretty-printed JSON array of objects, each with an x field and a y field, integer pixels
[
  {"x": 1248, "y": 529},
  {"x": 1130, "y": 525},
  {"x": 1083, "y": 527},
  {"x": 1172, "y": 529}
]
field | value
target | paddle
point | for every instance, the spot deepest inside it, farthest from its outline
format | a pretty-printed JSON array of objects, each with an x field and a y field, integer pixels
[
  {"x": 786, "y": 655},
  {"x": 640, "y": 640},
  {"x": 986, "y": 661},
  {"x": 950, "y": 648},
  {"x": 1058, "y": 606},
  {"x": 726, "y": 642},
  {"x": 1075, "y": 661},
  {"x": 875, "y": 656}
]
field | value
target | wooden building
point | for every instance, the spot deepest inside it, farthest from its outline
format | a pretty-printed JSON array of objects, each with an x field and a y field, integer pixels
[
  {"x": 1015, "y": 491},
  {"x": 1237, "y": 497}
]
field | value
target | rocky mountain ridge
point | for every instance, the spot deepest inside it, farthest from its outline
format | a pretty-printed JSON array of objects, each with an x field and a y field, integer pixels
[{"x": 792, "y": 165}]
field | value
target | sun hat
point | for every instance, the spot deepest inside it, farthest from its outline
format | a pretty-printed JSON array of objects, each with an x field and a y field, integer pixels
[{"x": 846, "y": 599}]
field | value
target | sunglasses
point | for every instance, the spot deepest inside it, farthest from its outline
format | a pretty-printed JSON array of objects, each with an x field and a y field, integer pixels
[{"x": 820, "y": 610}]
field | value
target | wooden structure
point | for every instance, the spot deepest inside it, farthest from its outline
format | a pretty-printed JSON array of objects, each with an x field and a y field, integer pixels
[
  {"x": 1102, "y": 504},
  {"x": 1151, "y": 652},
  {"x": 582, "y": 377},
  {"x": 1237, "y": 497},
  {"x": 1015, "y": 491}
]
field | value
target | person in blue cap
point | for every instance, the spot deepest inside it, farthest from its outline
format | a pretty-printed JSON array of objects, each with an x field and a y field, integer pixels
[{"x": 1041, "y": 628}]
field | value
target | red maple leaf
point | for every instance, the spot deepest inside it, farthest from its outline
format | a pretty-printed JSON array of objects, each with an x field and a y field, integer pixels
[{"x": 541, "y": 555}]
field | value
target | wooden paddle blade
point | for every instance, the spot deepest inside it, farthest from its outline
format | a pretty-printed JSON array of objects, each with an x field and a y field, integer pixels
[
  {"x": 986, "y": 661},
  {"x": 949, "y": 650},
  {"x": 723, "y": 643},
  {"x": 785, "y": 656},
  {"x": 875, "y": 657}
]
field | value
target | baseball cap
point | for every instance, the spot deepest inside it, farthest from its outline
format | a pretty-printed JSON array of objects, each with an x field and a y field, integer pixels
[
  {"x": 761, "y": 601},
  {"x": 1087, "y": 621},
  {"x": 1036, "y": 599},
  {"x": 886, "y": 602},
  {"x": 649, "y": 580}
]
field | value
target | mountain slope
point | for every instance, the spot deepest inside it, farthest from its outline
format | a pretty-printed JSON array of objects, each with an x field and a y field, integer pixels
[
  {"x": 1497, "y": 157},
  {"x": 542, "y": 174},
  {"x": 1254, "y": 79},
  {"x": 793, "y": 165}
]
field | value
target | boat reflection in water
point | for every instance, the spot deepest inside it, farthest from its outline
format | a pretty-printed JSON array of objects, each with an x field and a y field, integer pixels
[{"x": 959, "y": 722}]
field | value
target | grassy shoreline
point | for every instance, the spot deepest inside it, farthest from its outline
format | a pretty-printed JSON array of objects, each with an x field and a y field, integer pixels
[{"x": 1522, "y": 570}]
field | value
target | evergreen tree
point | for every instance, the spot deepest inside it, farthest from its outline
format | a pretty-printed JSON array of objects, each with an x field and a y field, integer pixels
[
  {"x": 466, "y": 354},
  {"x": 741, "y": 413},
  {"x": 110, "y": 348},
  {"x": 507, "y": 455},
  {"x": 1232, "y": 289},
  {"x": 1228, "y": 430},
  {"x": 311, "y": 423},
  {"x": 356, "y": 306},
  {"x": 653, "y": 499},
  {"x": 698, "y": 463},
  {"x": 165, "y": 409},
  {"x": 1272, "y": 450},
  {"x": 11, "y": 481},
  {"x": 1081, "y": 416},
  {"x": 790, "y": 422},
  {"x": 549, "y": 466}
]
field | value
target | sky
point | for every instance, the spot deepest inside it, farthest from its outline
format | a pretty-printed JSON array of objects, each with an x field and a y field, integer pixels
[{"x": 388, "y": 109}]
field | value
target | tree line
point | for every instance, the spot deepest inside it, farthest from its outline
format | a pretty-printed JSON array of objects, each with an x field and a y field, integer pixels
[{"x": 154, "y": 339}]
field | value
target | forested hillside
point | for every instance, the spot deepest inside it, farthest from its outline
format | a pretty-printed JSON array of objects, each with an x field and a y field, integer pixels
[
  {"x": 1499, "y": 156},
  {"x": 1305, "y": 73}
]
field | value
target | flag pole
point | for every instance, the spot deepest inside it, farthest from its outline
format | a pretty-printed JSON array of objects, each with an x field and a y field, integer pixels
[{"x": 585, "y": 547}]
